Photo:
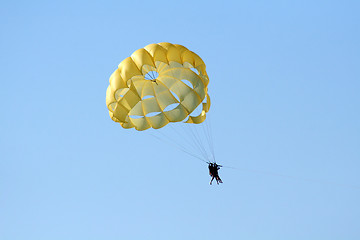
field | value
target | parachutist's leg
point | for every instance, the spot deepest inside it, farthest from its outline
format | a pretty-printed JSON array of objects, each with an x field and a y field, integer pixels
[{"x": 211, "y": 180}]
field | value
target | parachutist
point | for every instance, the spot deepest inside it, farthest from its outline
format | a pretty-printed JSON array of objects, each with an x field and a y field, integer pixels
[
  {"x": 213, "y": 171},
  {"x": 155, "y": 81}
]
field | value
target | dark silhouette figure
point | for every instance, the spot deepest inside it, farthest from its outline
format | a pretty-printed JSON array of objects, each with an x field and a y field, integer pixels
[{"x": 213, "y": 171}]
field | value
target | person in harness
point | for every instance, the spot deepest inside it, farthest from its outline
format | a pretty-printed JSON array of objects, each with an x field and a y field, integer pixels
[{"x": 213, "y": 171}]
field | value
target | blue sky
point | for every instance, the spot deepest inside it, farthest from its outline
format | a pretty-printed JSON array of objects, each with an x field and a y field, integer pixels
[{"x": 284, "y": 84}]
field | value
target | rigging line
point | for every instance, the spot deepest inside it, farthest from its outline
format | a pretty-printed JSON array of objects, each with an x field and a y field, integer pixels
[
  {"x": 172, "y": 140},
  {"x": 171, "y": 71},
  {"x": 200, "y": 140},
  {"x": 205, "y": 146},
  {"x": 201, "y": 137},
  {"x": 197, "y": 141},
  {"x": 153, "y": 73},
  {"x": 206, "y": 133},
  {"x": 211, "y": 138},
  {"x": 175, "y": 86},
  {"x": 210, "y": 130},
  {"x": 194, "y": 139},
  {"x": 184, "y": 147},
  {"x": 193, "y": 155},
  {"x": 184, "y": 136},
  {"x": 181, "y": 134},
  {"x": 149, "y": 73},
  {"x": 314, "y": 180},
  {"x": 210, "y": 143},
  {"x": 203, "y": 130}
]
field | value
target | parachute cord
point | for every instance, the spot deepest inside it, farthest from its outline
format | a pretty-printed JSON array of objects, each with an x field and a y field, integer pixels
[
  {"x": 204, "y": 129},
  {"x": 174, "y": 141},
  {"x": 152, "y": 75},
  {"x": 211, "y": 139},
  {"x": 179, "y": 145},
  {"x": 181, "y": 134},
  {"x": 181, "y": 149},
  {"x": 193, "y": 134},
  {"x": 197, "y": 141},
  {"x": 200, "y": 140},
  {"x": 208, "y": 134},
  {"x": 313, "y": 180},
  {"x": 190, "y": 138},
  {"x": 207, "y": 142},
  {"x": 195, "y": 146}
]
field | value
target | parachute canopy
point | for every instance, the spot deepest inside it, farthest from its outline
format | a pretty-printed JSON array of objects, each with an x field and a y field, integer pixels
[{"x": 158, "y": 84}]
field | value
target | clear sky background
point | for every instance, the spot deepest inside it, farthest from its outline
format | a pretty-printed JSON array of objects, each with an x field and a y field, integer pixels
[{"x": 284, "y": 82}]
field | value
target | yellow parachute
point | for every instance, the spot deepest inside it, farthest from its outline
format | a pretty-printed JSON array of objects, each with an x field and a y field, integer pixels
[{"x": 158, "y": 84}]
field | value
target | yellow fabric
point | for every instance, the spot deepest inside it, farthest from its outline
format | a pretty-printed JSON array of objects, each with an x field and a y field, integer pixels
[{"x": 136, "y": 100}]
